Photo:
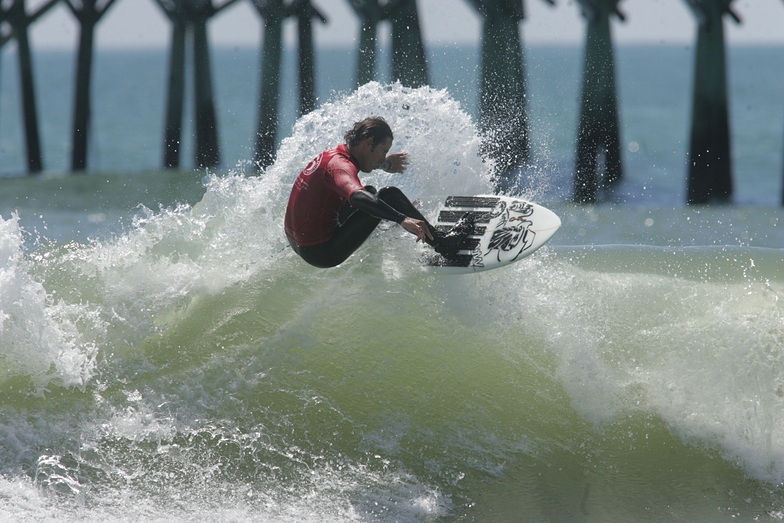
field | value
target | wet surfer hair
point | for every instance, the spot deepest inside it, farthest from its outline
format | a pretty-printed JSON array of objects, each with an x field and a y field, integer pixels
[{"x": 373, "y": 127}]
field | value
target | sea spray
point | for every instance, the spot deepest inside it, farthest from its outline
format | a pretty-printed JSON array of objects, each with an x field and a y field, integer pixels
[
  {"x": 441, "y": 140},
  {"x": 40, "y": 334}
]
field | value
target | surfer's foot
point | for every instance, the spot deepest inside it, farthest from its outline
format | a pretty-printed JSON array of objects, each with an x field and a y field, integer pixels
[{"x": 449, "y": 243}]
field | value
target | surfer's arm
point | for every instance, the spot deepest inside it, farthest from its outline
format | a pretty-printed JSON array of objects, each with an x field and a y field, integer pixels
[
  {"x": 368, "y": 202},
  {"x": 371, "y": 204},
  {"x": 396, "y": 163}
]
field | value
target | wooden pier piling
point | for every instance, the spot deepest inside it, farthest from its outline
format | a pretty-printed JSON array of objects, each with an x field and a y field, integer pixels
[
  {"x": 598, "y": 135},
  {"x": 88, "y": 13},
  {"x": 207, "y": 143},
  {"x": 190, "y": 18},
  {"x": 16, "y": 16},
  {"x": 409, "y": 63},
  {"x": 273, "y": 12},
  {"x": 503, "y": 118},
  {"x": 175, "y": 88},
  {"x": 710, "y": 160},
  {"x": 306, "y": 13},
  {"x": 370, "y": 14}
]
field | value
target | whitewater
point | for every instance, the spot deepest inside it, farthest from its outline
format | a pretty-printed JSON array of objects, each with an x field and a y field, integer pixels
[{"x": 187, "y": 366}]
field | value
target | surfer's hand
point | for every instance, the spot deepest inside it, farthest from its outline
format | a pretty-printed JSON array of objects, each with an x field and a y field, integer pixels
[
  {"x": 396, "y": 163},
  {"x": 418, "y": 228}
]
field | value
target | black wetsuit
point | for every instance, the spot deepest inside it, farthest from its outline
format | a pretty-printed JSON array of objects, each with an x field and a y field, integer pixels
[{"x": 356, "y": 221}]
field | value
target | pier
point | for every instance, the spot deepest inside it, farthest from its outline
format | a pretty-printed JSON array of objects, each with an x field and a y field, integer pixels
[
  {"x": 503, "y": 107},
  {"x": 598, "y": 137}
]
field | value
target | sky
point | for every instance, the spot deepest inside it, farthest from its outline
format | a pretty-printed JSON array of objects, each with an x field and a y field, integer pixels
[{"x": 141, "y": 24}]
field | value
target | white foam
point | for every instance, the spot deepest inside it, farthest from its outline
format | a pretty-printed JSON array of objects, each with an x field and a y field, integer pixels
[
  {"x": 40, "y": 338},
  {"x": 702, "y": 353},
  {"x": 440, "y": 137}
]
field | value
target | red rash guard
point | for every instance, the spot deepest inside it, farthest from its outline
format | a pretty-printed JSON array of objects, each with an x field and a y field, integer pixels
[{"x": 318, "y": 194}]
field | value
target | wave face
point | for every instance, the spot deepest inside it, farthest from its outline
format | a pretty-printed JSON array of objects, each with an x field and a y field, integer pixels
[{"x": 192, "y": 368}]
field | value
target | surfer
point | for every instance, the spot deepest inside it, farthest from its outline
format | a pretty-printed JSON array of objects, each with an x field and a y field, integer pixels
[{"x": 330, "y": 213}]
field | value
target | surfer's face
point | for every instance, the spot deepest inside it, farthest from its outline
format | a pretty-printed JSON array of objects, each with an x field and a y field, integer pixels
[{"x": 371, "y": 156}]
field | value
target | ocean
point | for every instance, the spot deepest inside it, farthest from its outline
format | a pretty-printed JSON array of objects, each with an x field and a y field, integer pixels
[{"x": 164, "y": 356}]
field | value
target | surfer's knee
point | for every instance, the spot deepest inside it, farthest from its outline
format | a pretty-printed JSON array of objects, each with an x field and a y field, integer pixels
[{"x": 390, "y": 194}]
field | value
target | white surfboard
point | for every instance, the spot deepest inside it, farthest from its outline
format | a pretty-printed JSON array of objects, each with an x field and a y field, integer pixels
[{"x": 506, "y": 230}]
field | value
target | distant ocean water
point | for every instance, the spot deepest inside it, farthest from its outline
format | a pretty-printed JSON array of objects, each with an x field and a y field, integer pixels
[
  {"x": 654, "y": 90},
  {"x": 164, "y": 356}
]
